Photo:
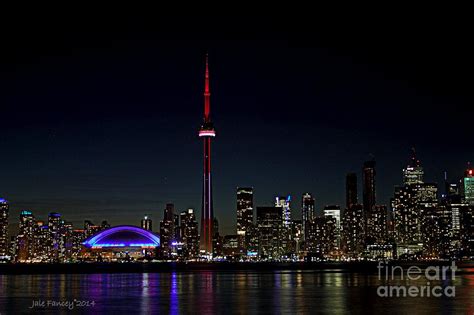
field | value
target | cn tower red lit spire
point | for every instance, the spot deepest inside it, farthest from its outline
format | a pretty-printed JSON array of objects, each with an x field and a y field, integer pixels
[
  {"x": 207, "y": 93},
  {"x": 207, "y": 133}
]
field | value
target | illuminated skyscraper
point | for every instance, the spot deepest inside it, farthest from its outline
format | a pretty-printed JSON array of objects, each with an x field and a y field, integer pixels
[
  {"x": 285, "y": 233},
  {"x": 408, "y": 205},
  {"x": 322, "y": 236},
  {"x": 468, "y": 186},
  {"x": 4, "y": 240},
  {"x": 368, "y": 173},
  {"x": 413, "y": 173},
  {"x": 284, "y": 204},
  {"x": 207, "y": 132},
  {"x": 147, "y": 223},
  {"x": 167, "y": 231},
  {"x": 351, "y": 190},
  {"x": 189, "y": 234},
  {"x": 55, "y": 225},
  {"x": 42, "y": 242},
  {"x": 376, "y": 230},
  {"x": 334, "y": 211},
  {"x": 25, "y": 240},
  {"x": 270, "y": 227},
  {"x": 307, "y": 212},
  {"x": 244, "y": 209},
  {"x": 353, "y": 235},
  {"x": 368, "y": 185}
]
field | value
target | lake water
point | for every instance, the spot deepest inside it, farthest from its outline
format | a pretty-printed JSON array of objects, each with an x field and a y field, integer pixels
[{"x": 224, "y": 292}]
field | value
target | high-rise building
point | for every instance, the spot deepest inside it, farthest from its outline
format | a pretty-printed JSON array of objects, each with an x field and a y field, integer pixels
[
  {"x": 284, "y": 204},
  {"x": 368, "y": 179},
  {"x": 189, "y": 235},
  {"x": 468, "y": 186},
  {"x": 43, "y": 242},
  {"x": 322, "y": 236},
  {"x": 334, "y": 211},
  {"x": 147, "y": 223},
  {"x": 4, "y": 240},
  {"x": 351, "y": 190},
  {"x": 167, "y": 231},
  {"x": 216, "y": 239},
  {"x": 296, "y": 236},
  {"x": 67, "y": 236},
  {"x": 55, "y": 225},
  {"x": 207, "y": 132},
  {"x": 270, "y": 226},
  {"x": 413, "y": 173},
  {"x": 77, "y": 239},
  {"x": 244, "y": 209},
  {"x": 467, "y": 232},
  {"x": 26, "y": 238},
  {"x": 376, "y": 229},
  {"x": 408, "y": 206},
  {"x": 353, "y": 235},
  {"x": 307, "y": 212}
]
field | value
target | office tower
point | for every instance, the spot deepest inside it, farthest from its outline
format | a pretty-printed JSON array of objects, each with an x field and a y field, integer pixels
[
  {"x": 42, "y": 242},
  {"x": 413, "y": 173},
  {"x": 26, "y": 239},
  {"x": 189, "y": 234},
  {"x": 467, "y": 232},
  {"x": 307, "y": 211},
  {"x": 4, "y": 240},
  {"x": 167, "y": 231},
  {"x": 322, "y": 237},
  {"x": 270, "y": 226},
  {"x": 207, "y": 132},
  {"x": 147, "y": 223},
  {"x": 216, "y": 239},
  {"x": 77, "y": 239},
  {"x": 56, "y": 234},
  {"x": 376, "y": 229},
  {"x": 296, "y": 236},
  {"x": 368, "y": 174},
  {"x": 67, "y": 236},
  {"x": 334, "y": 211},
  {"x": 353, "y": 235},
  {"x": 408, "y": 205},
  {"x": 468, "y": 186},
  {"x": 244, "y": 209},
  {"x": 351, "y": 190},
  {"x": 284, "y": 204}
]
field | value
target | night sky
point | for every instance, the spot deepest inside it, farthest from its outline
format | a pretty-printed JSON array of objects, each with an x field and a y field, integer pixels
[{"x": 100, "y": 113}]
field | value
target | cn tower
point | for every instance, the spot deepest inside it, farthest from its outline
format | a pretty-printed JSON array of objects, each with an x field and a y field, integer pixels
[{"x": 206, "y": 132}]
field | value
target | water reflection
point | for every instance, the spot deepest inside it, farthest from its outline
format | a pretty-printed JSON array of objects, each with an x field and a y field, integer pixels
[{"x": 222, "y": 292}]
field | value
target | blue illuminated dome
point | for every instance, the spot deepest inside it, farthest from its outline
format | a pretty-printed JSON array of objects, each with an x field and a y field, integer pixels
[{"x": 123, "y": 236}]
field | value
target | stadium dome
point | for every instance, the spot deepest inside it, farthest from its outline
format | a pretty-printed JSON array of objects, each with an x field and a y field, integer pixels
[{"x": 123, "y": 236}]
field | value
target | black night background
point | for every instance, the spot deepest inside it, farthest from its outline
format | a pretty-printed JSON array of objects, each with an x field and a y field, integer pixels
[{"x": 100, "y": 116}]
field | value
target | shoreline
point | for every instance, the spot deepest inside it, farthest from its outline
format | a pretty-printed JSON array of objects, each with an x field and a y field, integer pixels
[{"x": 262, "y": 267}]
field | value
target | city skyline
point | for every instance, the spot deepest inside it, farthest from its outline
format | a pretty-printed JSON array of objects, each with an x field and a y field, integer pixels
[{"x": 82, "y": 136}]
